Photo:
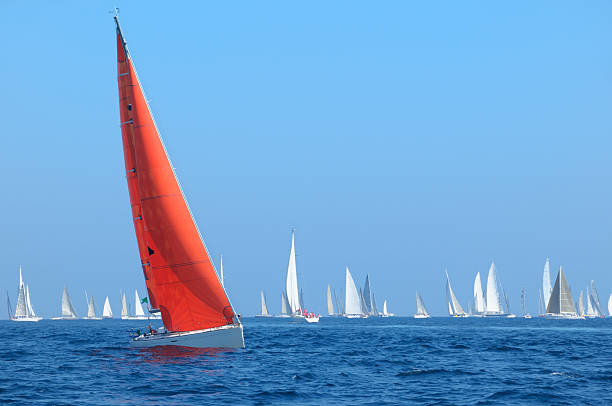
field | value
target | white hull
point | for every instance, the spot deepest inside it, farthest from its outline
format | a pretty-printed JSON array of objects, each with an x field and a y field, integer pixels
[
  {"x": 312, "y": 319},
  {"x": 562, "y": 316},
  {"x": 508, "y": 315},
  {"x": 283, "y": 316},
  {"x": 218, "y": 337},
  {"x": 421, "y": 316},
  {"x": 263, "y": 315},
  {"x": 527, "y": 316},
  {"x": 30, "y": 319},
  {"x": 134, "y": 318},
  {"x": 64, "y": 318},
  {"x": 92, "y": 318},
  {"x": 355, "y": 316}
]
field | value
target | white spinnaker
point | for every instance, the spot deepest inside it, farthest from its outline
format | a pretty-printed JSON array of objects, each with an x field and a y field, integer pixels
[
  {"x": 546, "y": 285},
  {"x": 479, "y": 302},
  {"x": 353, "y": 302},
  {"x": 330, "y": 304},
  {"x": 67, "y": 307},
  {"x": 493, "y": 299},
  {"x": 264, "y": 308},
  {"x": 137, "y": 305},
  {"x": 107, "y": 311},
  {"x": 293, "y": 296}
]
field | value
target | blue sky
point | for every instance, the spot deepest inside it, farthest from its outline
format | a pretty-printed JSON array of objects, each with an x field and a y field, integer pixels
[{"x": 400, "y": 139}]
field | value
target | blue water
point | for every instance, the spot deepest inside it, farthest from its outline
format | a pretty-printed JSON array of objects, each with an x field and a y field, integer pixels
[{"x": 440, "y": 361}]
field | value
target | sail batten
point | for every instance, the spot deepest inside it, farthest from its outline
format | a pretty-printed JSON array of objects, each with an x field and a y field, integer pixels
[{"x": 180, "y": 277}]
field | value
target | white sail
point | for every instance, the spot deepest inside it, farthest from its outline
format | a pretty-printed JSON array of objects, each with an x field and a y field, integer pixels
[
  {"x": 264, "y": 308},
  {"x": 291, "y": 281},
  {"x": 456, "y": 308},
  {"x": 610, "y": 305},
  {"x": 595, "y": 300},
  {"x": 284, "y": 304},
  {"x": 580, "y": 305},
  {"x": 330, "y": 304},
  {"x": 67, "y": 308},
  {"x": 421, "y": 310},
  {"x": 137, "y": 305},
  {"x": 367, "y": 296},
  {"x": 479, "y": 302},
  {"x": 21, "y": 310},
  {"x": 589, "y": 310},
  {"x": 546, "y": 286},
  {"x": 385, "y": 310},
  {"x": 28, "y": 303},
  {"x": 107, "y": 311},
  {"x": 493, "y": 299},
  {"x": 353, "y": 302},
  {"x": 124, "y": 309},
  {"x": 91, "y": 309}
]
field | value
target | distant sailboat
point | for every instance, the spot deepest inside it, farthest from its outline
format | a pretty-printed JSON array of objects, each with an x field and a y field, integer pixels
[
  {"x": 353, "y": 308},
  {"x": 285, "y": 312},
  {"x": 368, "y": 301},
  {"x": 421, "y": 312},
  {"x": 523, "y": 300},
  {"x": 107, "y": 312},
  {"x": 68, "y": 312},
  {"x": 494, "y": 305},
  {"x": 386, "y": 312},
  {"x": 24, "y": 310},
  {"x": 291, "y": 285},
  {"x": 479, "y": 301},
  {"x": 264, "y": 308},
  {"x": 454, "y": 308},
  {"x": 91, "y": 310},
  {"x": 595, "y": 299},
  {"x": 182, "y": 284},
  {"x": 546, "y": 286},
  {"x": 330, "y": 304},
  {"x": 560, "y": 304}
]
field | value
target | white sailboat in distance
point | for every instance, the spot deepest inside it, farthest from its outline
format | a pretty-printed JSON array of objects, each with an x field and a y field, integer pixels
[
  {"x": 68, "y": 312},
  {"x": 352, "y": 300},
  {"x": 386, "y": 312},
  {"x": 330, "y": 303},
  {"x": 107, "y": 312},
  {"x": 560, "y": 304},
  {"x": 264, "y": 308},
  {"x": 494, "y": 307},
  {"x": 421, "y": 312},
  {"x": 24, "y": 310},
  {"x": 546, "y": 286},
  {"x": 479, "y": 301},
  {"x": 291, "y": 285},
  {"x": 454, "y": 307},
  {"x": 91, "y": 310}
]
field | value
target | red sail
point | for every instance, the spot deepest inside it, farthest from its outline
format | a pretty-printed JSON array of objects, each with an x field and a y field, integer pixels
[{"x": 179, "y": 275}]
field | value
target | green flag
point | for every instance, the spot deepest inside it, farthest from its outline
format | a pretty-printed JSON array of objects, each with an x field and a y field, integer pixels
[{"x": 144, "y": 300}]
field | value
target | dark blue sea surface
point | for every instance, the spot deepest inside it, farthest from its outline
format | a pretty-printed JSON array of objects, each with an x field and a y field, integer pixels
[{"x": 440, "y": 361}]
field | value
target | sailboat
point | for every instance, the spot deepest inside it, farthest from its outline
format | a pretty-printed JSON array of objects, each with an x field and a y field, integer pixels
[
  {"x": 24, "y": 310},
  {"x": 68, "y": 312},
  {"x": 368, "y": 300},
  {"x": 291, "y": 285},
  {"x": 560, "y": 304},
  {"x": 454, "y": 308},
  {"x": 264, "y": 308},
  {"x": 479, "y": 301},
  {"x": 91, "y": 310},
  {"x": 523, "y": 299},
  {"x": 494, "y": 306},
  {"x": 353, "y": 308},
  {"x": 386, "y": 312},
  {"x": 284, "y": 306},
  {"x": 124, "y": 308},
  {"x": 181, "y": 281},
  {"x": 610, "y": 305},
  {"x": 421, "y": 312},
  {"x": 330, "y": 303},
  {"x": 107, "y": 312}
]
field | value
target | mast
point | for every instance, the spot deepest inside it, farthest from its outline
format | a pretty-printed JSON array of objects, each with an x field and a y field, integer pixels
[
  {"x": 180, "y": 277},
  {"x": 523, "y": 300}
]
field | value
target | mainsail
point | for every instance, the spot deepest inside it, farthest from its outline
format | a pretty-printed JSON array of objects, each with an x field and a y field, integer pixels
[
  {"x": 264, "y": 308},
  {"x": 180, "y": 277},
  {"x": 421, "y": 310},
  {"x": 580, "y": 305},
  {"x": 546, "y": 286},
  {"x": 385, "y": 310},
  {"x": 353, "y": 304},
  {"x": 21, "y": 310},
  {"x": 124, "y": 309},
  {"x": 493, "y": 298},
  {"x": 67, "y": 308},
  {"x": 561, "y": 297},
  {"x": 455, "y": 309},
  {"x": 330, "y": 305},
  {"x": 107, "y": 311},
  {"x": 138, "y": 311},
  {"x": 291, "y": 280},
  {"x": 91, "y": 309},
  {"x": 479, "y": 302},
  {"x": 590, "y": 311}
]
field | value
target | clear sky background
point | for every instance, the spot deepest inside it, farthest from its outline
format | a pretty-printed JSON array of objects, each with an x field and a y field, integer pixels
[{"x": 399, "y": 138}]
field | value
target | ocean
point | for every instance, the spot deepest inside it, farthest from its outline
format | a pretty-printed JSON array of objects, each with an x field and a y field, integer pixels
[{"x": 440, "y": 361}]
